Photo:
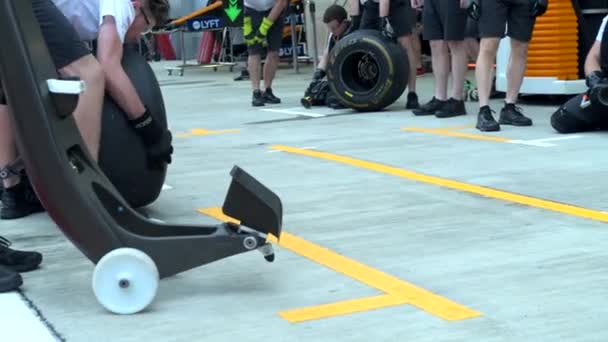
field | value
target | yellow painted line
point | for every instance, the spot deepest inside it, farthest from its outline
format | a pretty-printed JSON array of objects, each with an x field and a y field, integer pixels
[
  {"x": 452, "y": 184},
  {"x": 457, "y": 128},
  {"x": 342, "y": 308},
  {"x": 406, "y": 292},
  {"x": 200, "y": 131},
  {"x": 456, "y": 134}
]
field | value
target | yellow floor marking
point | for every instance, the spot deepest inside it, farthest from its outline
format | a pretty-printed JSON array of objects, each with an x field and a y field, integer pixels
[
  {"x": 342, "y": 308},
  {"x": 199, "y": 131},
  {"x": 452, "y": 184},
  {"x": 401, "y": 291},
  {"x": 456, "y": 134},
  {"x": 457, "y": 128}
]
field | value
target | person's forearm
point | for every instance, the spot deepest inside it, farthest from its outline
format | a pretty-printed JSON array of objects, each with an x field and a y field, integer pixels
[
  {"x": 122, "y": 91},
  {"x": 384, "y": 8},
  {"x": 354, "y": 7},
  {"x": 591, "y": 65},
  {"x": 277, "y": 9},
  {"x": 118, "y": 84},
  {"x": 323, "y": 61}
]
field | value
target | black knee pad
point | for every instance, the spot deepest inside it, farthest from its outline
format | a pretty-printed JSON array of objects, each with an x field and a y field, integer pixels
[
  {"x": 565, "y": 122},
  {"x": 571, "y": 118}
]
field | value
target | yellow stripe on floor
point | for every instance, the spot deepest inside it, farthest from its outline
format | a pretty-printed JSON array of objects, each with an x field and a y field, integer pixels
[
  {"x": 452, "y": 133},
  {"x": 200, "y": 131},
  {"x": 342, "y": 308},
  {"x": 451, "y": 184},
  {"x": 401, "y": 292}
]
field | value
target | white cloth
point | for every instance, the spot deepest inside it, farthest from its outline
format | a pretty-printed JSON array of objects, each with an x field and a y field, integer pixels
[
  {"x": 87, "y": 15},
  {"x": 600, "y": 32},
  {"x": 260, "y": 5}
]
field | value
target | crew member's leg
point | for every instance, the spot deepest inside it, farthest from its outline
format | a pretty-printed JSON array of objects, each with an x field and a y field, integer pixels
[
  {"x": 399, "y": 16},
  {"x": 520, "y": 26},
  {"x": 471, "y": 38},
  {"x": 454, "y": 19},
  {"x": 492, "y": 26},
  {"x": 254, "y": 59},
  {"x": 433, "y": 31},
  {"x": 71, "y": 58},
  {"x": 275, "y": 37}
]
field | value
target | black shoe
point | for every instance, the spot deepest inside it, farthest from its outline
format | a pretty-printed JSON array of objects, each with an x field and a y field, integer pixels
[
  {"x": 486, "y": 121},
  {"x": 429, "y": 108},
  {"x": 19, "y": 201},
  {"x": 270, "y": 98},
  {"x": 243, "y": 76},
  {"x": 18, "y": 261},
  {"x": 9, "y": 279},
  {"x": 412, "y": 101},
  {"x": 512, "y": 115},
  {"x": 451, "y": 108},
  {"x": 258, "y": 98}
]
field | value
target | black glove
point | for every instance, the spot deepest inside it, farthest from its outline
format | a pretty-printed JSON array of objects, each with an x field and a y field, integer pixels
[
  {"x": 319, "y": 74},
  {"x": 474, "y": 10},
  {"x": 386, "y": 28},
  {"x": 594, "y": 78},
  {"x": 539, "y": 7},
  {"x": 156, "y": 139}
]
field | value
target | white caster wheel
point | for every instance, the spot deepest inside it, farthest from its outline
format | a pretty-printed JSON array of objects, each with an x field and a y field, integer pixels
[
  {"x": 125, "y": 281},
  {"x": 250, "y": 243}
]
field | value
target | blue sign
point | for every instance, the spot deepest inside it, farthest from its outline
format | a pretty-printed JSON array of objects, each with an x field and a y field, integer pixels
[
  {"x": 286, "y": 50},
  {"x": 205, "y": 24}
]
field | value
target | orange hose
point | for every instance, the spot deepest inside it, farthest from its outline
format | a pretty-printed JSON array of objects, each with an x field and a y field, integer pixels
[{"x": 197, "y": 13}]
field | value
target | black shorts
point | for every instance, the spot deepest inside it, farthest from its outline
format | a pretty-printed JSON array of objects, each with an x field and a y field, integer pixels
[
  {"x": 274, "y": 38},
  {"x": 472, "y": 29},
  {"x": 400, "y": 15},
  {"x": 62, "y": 40},
  {"x": 444, "y": 20},
  {"x": 506, "y": 16}
]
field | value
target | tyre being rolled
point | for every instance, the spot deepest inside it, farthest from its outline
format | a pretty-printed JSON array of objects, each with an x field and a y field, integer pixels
[
  {"x": 366, "y": 71},
  {"x": 122, "y": 154}
]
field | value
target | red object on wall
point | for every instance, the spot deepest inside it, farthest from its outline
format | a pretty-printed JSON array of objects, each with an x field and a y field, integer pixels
[{"x": 165, "y": 47}]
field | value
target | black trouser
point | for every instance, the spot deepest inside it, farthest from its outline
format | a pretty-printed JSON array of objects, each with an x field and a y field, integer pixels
[{"x": 572, "y": 118}]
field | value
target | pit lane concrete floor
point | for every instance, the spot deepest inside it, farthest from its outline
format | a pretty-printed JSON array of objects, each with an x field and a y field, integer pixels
[{"x": 397, "y": 228}]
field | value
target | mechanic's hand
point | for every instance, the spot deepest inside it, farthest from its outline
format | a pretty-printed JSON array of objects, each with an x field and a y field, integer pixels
[
  {"x": 260, "y": 36},
  {"x": 594, "y": 78},
  {"x": 248, "y": 33},
  {"x": 386, "y": 28},
  {"x": 417, "y": 4},
  {"x": 474, "y": 10},
  {"x": 539, "y": 7},
  {"x": 156, "y": 138},
  {"x": 319, "y": 74},
  {"x": 160, "y": 153}
]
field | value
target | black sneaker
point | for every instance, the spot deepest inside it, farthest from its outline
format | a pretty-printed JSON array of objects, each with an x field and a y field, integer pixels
[
  {"x": 9, "y": 279},
  {"x": 270, "y": 98},
  {"x": 486, "y": 121},
  {"x": 512, "y": 115},
  {"x": 258, "y": 98},
  {"x": 429, "y": 108},
  {"x": 19, "y": 201},
  {"x": 412, "y": 101},
  {"x": 451, "y": 108},
  {"x": 18, "y": 261},
  {"x": 243, "y": 76}
]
